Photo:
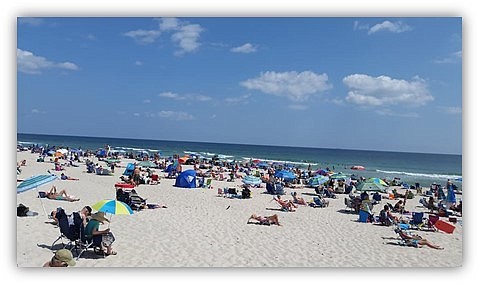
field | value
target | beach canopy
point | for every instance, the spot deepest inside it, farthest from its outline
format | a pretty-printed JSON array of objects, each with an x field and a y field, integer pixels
[
  {"x": 186, "y": 179},
  {"x": 34, "y": 182},
  {"x": 317, "y": 180},
  {"x": 285, "y": 174},
  {"x": 252, "y": 180},
  {"x": 370, "y": 186}
]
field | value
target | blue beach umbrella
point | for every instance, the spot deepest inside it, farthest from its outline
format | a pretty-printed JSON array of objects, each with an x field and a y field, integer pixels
[
  {"x": 252, "y": 180},
  {"x": 378, "y": 180},
  {"x": 34, "y": 182},
  {"x": 338, "y": 176},
  {"x": 284, "y": 174}
]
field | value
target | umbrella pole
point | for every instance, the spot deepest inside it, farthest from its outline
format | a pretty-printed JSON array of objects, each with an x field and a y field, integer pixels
[{"x": 43, "y": 206}]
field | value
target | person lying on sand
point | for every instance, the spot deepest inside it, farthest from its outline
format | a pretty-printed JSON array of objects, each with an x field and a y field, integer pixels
[
  {"x": 298, "y": 200},
  {"x": 265, "y": 220},
  {"x": 62, "y": 195}
]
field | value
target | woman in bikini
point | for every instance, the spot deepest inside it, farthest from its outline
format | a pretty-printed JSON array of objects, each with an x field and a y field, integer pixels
[
  {"x": 265, "y": 220},
  {"x": 62, "y": 195}
]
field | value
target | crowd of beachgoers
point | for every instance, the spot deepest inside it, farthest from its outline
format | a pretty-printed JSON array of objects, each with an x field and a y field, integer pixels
[{"x": 411, "y": 212}]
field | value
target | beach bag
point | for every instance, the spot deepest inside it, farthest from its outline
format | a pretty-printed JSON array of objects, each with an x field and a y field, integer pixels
[
  {"x": 108, "y": 239},
  {"x": 22, "y": 210}
]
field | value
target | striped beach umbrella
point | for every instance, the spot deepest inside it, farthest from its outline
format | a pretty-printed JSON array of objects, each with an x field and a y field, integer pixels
[
  {"x": 34, "y": 182},
  {"x": 112, "y": 206},
  {"x": 378, "y": 180}
]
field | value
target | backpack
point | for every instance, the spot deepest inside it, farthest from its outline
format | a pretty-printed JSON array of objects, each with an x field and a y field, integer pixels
[{"x": 22, "y": 210}]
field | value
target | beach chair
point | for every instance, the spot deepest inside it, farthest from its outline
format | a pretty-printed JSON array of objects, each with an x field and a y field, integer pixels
[
  {"x": 208, "y": 183},
  {"x": 318, "y": 203},
  {"x": 279, "y": 189},
  {"x": 349, "y": 204},
  {"x": 417, "y": 218},
  {"x": 70, "y": 228}
]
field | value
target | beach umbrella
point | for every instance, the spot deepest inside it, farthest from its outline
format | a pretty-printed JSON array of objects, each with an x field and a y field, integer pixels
[
  {"x": 262, "y": 164},
  {"x": 284, "y": 174},
  {"x": 321, "y": 172},
  {"x": 338, "y": 176},
  {"x": 378, "y": 180},
  {"x": 358, "y": 168},
  {"x": 370, "y": 186},
  {"x": 147, "y": 164},
  {"x": 251, "y": 180},
  {"x": 34, "y": 182},
  {"x": 112, "y": 206},
  {"x": 317, "y": 180}
]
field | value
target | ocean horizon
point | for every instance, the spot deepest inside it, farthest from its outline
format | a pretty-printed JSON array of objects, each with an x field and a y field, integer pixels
[{"x": 423, "y": 168}]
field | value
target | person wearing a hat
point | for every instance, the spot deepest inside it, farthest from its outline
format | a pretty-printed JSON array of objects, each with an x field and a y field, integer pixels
[
  {"x": 62, "y": 258},
  {"x": 101, "y": 238}
]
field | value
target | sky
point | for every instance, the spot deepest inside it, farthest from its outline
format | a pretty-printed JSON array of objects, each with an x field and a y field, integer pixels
[{"x": 371, "y": 83}]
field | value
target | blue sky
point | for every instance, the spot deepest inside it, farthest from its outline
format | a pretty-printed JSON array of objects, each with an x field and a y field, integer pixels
[{"x": 392, "y": 84}]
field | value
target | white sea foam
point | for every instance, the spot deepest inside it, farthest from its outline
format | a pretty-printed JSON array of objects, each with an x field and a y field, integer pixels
[{"x": 431, "y": 176}]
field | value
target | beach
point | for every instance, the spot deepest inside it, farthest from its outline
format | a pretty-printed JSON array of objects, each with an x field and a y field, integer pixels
[{"x": 200, "y": 228}]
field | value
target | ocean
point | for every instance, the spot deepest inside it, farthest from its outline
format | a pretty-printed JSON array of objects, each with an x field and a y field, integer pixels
[{"x": 408, "y": 167}]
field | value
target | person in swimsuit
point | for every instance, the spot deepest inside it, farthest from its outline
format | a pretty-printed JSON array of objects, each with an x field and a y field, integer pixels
[
  {"x": 62, "y": 195},
  {"x": 416, "y": 240},
  {"x": 265, "y": 220}
]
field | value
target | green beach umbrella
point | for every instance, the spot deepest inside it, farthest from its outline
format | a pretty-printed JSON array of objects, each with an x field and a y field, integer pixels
[
  {"x": 147, "y": 164},
  {"x": 377, "y": 180},
  {"x": 338, "y": 176},
  {"x": 370, "y": 186}
]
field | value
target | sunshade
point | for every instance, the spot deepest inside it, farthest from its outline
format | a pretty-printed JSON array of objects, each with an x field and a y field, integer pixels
[
  {"x": 113, "y": 207},
  {"x": 34, "y": 182},
  {"x": 147, "y": 164},
  {"x": 251, "y": 180},
  {"x": 285, "y": 174},
  {"x": 377, "y": 180},
  {"x": 370, "y": 186},
  {"x": 317, "y": 180},
  {"x": 338, "y": 176}
]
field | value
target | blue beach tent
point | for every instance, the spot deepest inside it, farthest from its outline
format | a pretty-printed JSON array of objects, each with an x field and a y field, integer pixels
[{"x": 186, "y": 179}]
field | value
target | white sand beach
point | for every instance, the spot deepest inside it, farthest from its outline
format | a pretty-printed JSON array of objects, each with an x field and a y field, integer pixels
[{"x": 201, "y": 229}]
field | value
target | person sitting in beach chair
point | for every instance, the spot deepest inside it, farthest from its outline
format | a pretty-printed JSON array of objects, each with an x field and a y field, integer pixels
[
  {"x": 265, "y": 220},
  {"x": 298, "y": 200},
  {"x": 386, "y": 218},
  {"x": 286, "y": 205},
  {"x": 318, "y": 202},
  {"x": 415, "y": 240},
  {"x": 100, "y": 238},
  {"x": 62, "y": 195}
]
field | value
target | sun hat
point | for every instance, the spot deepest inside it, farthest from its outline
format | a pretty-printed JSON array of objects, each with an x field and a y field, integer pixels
[
  {"x": 99, "y": 216},
  {"x": 64, "y": 255}
]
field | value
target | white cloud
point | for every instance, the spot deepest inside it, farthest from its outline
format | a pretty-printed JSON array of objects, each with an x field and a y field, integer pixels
[
  {"x": 183, "y": 34},
  {"x": 454, "y": 57},
  {"x": 244, "y": 99},
  {"x": 191, "y": 97},
  {"x": 168, "y": 24},
  {"x": 383, "y": 90},
  {"x": 143, "y": 36},
  {"x": 30, "y": 21},
  {"x": 357, "y": 26},
  {"x": 187, "y": 38},
  {"x": 136, "y": 114},
  {"x": 388, "y": 112},
  {"x": 147, "y": 101},
  {"x": 91, "y": 36},
  {"x": 29, "y": 63},
  {"x": 396, "y": 27},
  {"x": 138, "y": 63},
  {"x": 170, "y": 95},
  {"x": 245, "y": 48},
  {"x": 451, "y": 110},
  {"x": 175, "y": 115},
  {"x": 295, "y": 86}
]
